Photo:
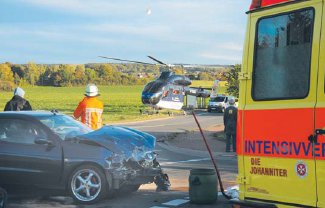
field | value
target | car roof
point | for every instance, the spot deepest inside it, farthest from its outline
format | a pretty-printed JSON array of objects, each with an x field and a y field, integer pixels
[{"x": 29, "y": 113}]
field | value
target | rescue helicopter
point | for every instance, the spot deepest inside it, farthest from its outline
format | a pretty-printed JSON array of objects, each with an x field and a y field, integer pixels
[{"x": 168, "y": 90}]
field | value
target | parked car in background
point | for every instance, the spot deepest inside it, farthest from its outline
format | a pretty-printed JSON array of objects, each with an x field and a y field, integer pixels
[
  {"x": 220, "y": 103},
  {"x": 52, "y": 150}
]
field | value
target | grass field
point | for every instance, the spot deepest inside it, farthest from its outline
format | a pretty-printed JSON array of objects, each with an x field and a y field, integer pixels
[{"x": 121, "y": 103}]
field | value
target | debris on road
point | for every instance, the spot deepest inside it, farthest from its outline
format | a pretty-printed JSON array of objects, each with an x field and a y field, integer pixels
[{"x": 233, "y": 192}]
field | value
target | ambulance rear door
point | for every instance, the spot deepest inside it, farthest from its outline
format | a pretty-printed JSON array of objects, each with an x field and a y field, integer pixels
[
  {"x": 319, "y": 144},
  {"x": 278, "y": 114}
]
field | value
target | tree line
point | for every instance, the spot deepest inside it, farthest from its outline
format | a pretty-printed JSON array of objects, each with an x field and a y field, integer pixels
[{"x": 63, "y": 75}]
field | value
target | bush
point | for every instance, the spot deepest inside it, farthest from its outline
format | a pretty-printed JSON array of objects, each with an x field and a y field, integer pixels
[{"x": 6, "y": 86}]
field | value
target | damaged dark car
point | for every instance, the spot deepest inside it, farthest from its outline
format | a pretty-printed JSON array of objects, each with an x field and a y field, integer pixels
[{"x": 52, "y": 150}]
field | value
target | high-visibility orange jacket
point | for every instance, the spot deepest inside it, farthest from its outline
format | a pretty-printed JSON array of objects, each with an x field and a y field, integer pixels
[{"x": 90, "y": 109}]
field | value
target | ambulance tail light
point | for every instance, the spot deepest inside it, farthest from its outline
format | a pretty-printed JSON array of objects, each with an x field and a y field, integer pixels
[{"x": 256, "y": 4}]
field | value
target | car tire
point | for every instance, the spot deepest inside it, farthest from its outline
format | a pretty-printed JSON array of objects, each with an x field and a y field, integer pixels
[
  {"x": 87, "y": 184},
  {"x": 209, "y": 110}
]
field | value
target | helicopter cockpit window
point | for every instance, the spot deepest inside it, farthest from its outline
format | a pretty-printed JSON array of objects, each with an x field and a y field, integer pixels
[
  {"x": 165, "y": 75},
  {"x": 156, "y": 87},
  {"x": 148, "y": 86}
]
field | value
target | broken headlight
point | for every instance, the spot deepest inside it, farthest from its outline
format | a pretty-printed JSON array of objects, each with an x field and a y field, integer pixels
[
  {"x": 148, "y": 160},
  {"x": 150, "y": 156}
]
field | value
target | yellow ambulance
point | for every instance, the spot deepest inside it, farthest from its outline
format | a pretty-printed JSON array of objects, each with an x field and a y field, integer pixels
[{"x": 281, "y": 116}]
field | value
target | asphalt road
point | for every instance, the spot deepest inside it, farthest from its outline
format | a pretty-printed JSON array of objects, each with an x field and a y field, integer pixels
[
  {"x": 177, "y": 123},
  {"x": 177, "y": 164}
]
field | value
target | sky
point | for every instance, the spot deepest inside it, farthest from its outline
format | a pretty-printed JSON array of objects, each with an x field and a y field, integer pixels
[{"x": 78, "y": 31}]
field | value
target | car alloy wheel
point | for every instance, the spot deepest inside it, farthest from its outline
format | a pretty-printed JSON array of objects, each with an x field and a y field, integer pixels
[{"x": 87, "y": 184}]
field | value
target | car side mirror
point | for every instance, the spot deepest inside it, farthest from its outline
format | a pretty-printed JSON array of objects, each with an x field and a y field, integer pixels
[{"x": 43, "y": 141}]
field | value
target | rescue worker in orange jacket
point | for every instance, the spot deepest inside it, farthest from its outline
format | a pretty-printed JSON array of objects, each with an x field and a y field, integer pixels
[{"x": 90, "y": 109}]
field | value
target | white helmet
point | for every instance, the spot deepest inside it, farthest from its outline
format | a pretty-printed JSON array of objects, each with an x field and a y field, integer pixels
[
  {"x": 20, "y": 92},
  {"x": 232, "y": 101},
  {"x": 91, "y": 90}
]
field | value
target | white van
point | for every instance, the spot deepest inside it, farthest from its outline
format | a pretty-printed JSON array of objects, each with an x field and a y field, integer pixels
[{"x": 219, "y": 103}]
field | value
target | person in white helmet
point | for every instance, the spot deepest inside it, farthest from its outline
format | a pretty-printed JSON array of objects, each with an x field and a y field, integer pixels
[
  {"x": 90, "y": 109},
  {"x": 18, "y": 102},
  {"x": 230, "y": 122}
]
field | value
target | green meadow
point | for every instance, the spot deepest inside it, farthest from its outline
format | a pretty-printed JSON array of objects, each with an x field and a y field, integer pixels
[{"x": 121, "y": 103}]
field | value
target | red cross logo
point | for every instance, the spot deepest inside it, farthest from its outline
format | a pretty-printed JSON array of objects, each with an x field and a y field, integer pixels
[{"x": 301, "y": 169}]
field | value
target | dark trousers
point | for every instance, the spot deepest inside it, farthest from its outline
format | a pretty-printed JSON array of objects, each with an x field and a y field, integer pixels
[{"x": 230, "y": 139}]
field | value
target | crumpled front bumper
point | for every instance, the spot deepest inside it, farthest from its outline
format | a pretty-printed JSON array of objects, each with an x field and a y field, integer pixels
[{"x": 120, "y": 177}]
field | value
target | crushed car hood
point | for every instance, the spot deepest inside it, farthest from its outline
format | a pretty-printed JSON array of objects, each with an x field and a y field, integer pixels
[{"x": 122, "y": 140}]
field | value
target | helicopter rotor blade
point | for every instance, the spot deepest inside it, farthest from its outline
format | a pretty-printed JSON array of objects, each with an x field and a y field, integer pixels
[
  {"x": 117, "y": 59},
  {"x": 156, "y": 60}
]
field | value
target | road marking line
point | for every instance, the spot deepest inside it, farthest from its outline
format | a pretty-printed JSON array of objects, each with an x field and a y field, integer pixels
[{"x": 176, "y": 202}]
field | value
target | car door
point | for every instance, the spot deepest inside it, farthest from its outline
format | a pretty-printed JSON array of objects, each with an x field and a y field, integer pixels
[
  {"x": 278, "y": 113},
  {"x": 24, "y": 162}
]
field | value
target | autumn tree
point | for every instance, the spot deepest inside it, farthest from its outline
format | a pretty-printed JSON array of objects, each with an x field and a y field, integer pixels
[
  {"x": 105, "y": 73},
  {"x": 79, "y": 75},
  {"x": 232, "y": 80},
  {"x": 178, "y": 70},
  {"x": 6, "y": 73},
  {"x": 32, "y": 73}
]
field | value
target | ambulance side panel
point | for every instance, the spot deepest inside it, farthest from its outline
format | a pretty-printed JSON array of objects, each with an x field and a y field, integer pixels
[{"x": 276, "y": 162}]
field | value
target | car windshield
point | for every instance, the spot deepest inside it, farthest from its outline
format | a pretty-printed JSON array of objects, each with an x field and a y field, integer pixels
[
  {"x": 217, "y": 99},
  {"x": 64, "y": 126}
]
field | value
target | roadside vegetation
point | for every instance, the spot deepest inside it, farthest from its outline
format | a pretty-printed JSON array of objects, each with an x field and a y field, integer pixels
[
  {"x": 67, "y": 75},
  {"x": 120, "y": 102}
]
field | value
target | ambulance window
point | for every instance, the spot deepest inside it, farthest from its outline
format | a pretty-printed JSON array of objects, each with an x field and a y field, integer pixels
[{"x": 283, "y": 55}]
